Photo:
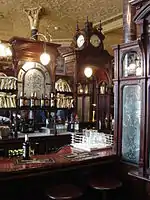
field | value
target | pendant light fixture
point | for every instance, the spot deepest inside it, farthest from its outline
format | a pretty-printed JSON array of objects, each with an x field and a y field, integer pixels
[{"x": 44, "y": 57}]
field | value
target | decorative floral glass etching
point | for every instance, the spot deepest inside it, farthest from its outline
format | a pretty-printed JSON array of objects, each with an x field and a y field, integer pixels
[
  {"x": 131, "y": 121},
  {"x": 34, "y": 77},
  {"x": 34, "y": 82},
  {"x": 132, "y": 64}
]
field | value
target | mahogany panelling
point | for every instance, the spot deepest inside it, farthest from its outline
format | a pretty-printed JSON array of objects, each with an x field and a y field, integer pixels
[
  {"x": 117, "y": 138},
  {"x": 147, "y": 137},
  {"x": 70, "y": 63},
  {"x": 116, "y": 61},
  {"x": 26, "y": 49}
]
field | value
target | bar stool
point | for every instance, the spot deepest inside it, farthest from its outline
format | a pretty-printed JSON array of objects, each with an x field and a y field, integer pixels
[
  {"x": 63, "y": 192},
  {"x": 104, "y": 184}
]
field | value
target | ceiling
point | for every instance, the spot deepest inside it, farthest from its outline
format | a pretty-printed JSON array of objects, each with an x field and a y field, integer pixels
[{"x": 58, "y": 18}]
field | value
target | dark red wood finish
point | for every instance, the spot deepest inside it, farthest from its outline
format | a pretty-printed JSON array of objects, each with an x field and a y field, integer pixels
[{"x": 62, "y": 160}]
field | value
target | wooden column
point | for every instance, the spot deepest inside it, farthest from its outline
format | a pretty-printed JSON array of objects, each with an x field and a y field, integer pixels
[
  {"x": 129, "y": 27},
  {"x": 34, "y": 17}
]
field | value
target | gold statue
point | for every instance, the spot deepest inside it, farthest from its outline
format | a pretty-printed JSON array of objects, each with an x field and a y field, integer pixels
[{"x": 33, "y": 16}]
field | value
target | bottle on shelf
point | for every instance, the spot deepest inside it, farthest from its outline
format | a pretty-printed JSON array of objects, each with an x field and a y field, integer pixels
[
  {"x": 21, "y": 100},
  {"x": 42, "y": 101},
  {"x": 66, "y": 125},
  {"x": 26, "y": 148},
  {"x": 32, "y": 100},
  {"x": 47, "y": 119},
  {"x": 35, "y": 99},
  {"x": 71, "y": 124},
  {"x": 99, "y": 124},
  {"x": 52, "y": 100},
  {"x": 25, "y": 100},
  {"x": 46, "y": 101},
  {"x": 76, "y": 124}
]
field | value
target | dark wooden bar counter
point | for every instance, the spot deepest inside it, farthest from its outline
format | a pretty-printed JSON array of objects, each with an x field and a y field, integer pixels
[{"x": 65, "y": 159}]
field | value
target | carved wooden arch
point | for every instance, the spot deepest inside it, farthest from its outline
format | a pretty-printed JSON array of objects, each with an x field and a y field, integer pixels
[{"x": 142, "y": 13}]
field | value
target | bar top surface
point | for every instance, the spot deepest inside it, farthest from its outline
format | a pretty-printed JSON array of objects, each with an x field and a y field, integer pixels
[{"x": 66, "y": 157}]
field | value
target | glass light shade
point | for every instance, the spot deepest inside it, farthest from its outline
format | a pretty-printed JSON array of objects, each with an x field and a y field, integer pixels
[
  {"x": 45, "y": 58},
  {"x": 88, "y": 72},
  {"x": 2, "y": 50},
  {"x": 8, "y": 51},
  {"x": 5, "y": 50}
]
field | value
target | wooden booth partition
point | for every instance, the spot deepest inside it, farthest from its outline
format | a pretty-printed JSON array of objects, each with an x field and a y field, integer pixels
[{"x": 131, "y": 90}]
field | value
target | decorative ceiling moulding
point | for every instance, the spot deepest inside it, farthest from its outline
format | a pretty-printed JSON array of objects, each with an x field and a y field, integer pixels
[
  {"x": 108, "y": 25},
  {"x": 63, "y": 42},
  {"x": 112, "y": 23}
]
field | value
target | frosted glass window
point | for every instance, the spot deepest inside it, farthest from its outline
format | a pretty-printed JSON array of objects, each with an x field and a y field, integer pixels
[{"x": 131, "y": 123}]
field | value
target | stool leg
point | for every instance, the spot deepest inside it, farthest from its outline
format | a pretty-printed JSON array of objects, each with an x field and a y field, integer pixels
[{"x": 104, "y": 195}]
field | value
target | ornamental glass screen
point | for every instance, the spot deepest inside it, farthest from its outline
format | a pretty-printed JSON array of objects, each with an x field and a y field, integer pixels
[{"x": 131, "y": 121}]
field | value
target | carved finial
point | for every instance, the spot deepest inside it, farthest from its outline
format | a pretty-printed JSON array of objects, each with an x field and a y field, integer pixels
[
  {"x": 33, "y": 16},
  {"x": 100, "y": 26},
  {"x": 77, "y": 26}
]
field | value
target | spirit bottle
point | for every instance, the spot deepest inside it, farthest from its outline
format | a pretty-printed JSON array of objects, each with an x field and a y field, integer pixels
[
  {"x": 21, "y": 100},
  {"x": 42, "y": 101},
  {"x": 35, "y": 99},
  {"x": 71, "y": 124},
  {"x": 66, "y": 125},
  {"x": 32, "y": 100},
  {"x": 25, "y": 100},
  {"x": 76, "y": 124},
  {"x": 46, "y": 101},
  {"x": 26, "y": 148}
]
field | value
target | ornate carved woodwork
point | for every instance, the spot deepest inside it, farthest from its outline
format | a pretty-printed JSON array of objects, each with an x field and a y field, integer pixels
[
  {"x": 93, "y": 106},
  {"x": 132, "y": 105}
]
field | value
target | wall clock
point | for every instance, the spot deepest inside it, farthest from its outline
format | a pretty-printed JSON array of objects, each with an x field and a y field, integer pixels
[
  {"x": 95, "y": 40},
  {"x": 80, "y": 41}
]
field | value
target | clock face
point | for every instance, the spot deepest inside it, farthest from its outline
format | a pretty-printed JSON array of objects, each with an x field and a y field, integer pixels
[
  {"x": 95, "y": 40},
  {"x": 80, "y": 41}
]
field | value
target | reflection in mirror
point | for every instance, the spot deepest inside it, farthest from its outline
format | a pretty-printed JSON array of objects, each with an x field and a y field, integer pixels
[{"x": 131, "y": 123}]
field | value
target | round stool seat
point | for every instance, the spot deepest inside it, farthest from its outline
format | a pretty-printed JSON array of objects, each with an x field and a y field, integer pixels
[
  {"x": 105, "y": 184},
  {"x": 64, "y": 191}
]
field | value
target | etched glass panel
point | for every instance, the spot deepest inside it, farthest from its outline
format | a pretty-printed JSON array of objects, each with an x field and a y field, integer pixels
[
  {"x": 87, "y": 109},
  {"x": 34, "y": 82},
  {"x": 131, "y": 123},
  {"x": 132, "y": 64}
]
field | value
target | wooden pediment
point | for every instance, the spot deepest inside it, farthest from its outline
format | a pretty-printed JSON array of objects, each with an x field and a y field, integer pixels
[{"x": 142, "y": 13}]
